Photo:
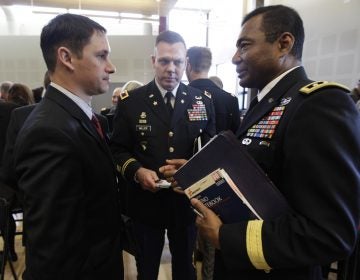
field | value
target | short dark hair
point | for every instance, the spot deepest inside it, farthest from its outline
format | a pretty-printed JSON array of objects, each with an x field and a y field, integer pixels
[
  {"x": 199, "y": 58},
  {"x": 69, "y": 30},
  {"x": 278, "y": 19},
  {"x": 170, "y": 37},
  {"x": 20, "y": 94}
]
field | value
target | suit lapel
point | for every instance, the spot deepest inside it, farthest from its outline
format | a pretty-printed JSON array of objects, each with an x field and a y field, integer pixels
[
  {"x": 271, "y": 100},
  {"x": 75, "y": 112}
]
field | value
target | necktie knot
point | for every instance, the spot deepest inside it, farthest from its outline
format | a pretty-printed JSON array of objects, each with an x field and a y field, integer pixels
[
  {"x": 96, "y": 123},
  {"x": 168, "y": 97}
]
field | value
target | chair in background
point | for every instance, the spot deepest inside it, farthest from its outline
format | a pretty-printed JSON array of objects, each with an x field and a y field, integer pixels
[{"x": 7, "y": 197}]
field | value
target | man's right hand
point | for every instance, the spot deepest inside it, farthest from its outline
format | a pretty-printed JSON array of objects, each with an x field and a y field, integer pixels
[
  {"x": 146, "y": 178},
  {"x": 168, "y": 170}
]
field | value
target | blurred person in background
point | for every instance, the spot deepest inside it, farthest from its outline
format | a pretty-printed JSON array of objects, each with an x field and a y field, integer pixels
[
  {"x": 4, "y": 89},
  {"x": 20, "y": 94}
]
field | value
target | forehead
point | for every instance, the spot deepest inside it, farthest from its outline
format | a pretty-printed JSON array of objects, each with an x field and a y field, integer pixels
[
  {"x": 176, "y": 50},
  {"x": 252, "y": 28},
  {"x": 116, "y": 91},
  {"x": 98, "y": 42}
]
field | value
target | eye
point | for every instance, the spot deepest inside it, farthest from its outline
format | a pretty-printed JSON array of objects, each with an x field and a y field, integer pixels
[
  {"x": 164, "y": 61},
  {"x": 102, "y": 55},
  {"x": 178, "y": 62},
  {"x": 243, "y": 46}
]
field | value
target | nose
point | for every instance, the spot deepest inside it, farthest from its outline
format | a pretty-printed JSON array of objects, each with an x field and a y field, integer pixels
[
  {"x": 111, "y": 68},
  {"x": 236, "y": 58},
  {"x": 171, "y": 67}
]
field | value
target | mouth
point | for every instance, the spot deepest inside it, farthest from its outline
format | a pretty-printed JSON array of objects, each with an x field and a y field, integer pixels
[
  {"x": 241, "y": 72},
  {"x": 170, "y": 79}
]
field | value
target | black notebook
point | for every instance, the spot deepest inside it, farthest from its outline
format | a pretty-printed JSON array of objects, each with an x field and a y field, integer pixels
[{"x": 224, "y": 152}]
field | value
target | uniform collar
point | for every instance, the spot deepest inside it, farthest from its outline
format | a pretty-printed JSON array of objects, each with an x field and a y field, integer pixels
[
  {"x": 164, "y": 91},
  {"x": 273, "y": 83}
]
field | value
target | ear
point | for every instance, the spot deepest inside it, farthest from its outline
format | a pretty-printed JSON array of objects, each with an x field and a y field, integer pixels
[
  {"x": 153, "y": 59},
  {"x": 188, "y": 65},
  {"x": 65, "y": 57},
  {"x": 286, "y": 43}
]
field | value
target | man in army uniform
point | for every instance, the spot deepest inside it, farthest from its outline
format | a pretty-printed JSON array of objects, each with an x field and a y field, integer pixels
[
  {"x": 306, "y": 136},
  {"x": 226, "y": 106},
  {"x": 161, "y": 120}
]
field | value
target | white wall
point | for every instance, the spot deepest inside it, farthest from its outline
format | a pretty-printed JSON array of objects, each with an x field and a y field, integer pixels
[
  {"x": 332, "y": 38},
  {"x": 21, "y": 61}
]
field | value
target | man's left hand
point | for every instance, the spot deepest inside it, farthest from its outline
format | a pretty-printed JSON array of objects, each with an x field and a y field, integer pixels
[{"x": 208, "y": 225}]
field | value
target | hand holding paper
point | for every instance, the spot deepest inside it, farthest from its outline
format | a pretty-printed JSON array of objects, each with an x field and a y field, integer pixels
[
  {"x": 209, "y": 225},
  {"x": 168, "y": 170}
]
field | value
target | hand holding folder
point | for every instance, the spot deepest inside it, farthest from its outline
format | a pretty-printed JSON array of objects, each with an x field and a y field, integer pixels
[{"x": 256, "y": 196}]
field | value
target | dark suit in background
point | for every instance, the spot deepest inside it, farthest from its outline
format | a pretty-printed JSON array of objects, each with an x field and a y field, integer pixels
[
  {"x": 5, "y": 112},
  {"x": 227, "y": 114},
  {"x": 18, "y": 117}
]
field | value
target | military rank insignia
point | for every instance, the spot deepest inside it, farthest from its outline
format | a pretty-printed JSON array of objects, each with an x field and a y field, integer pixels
[
  {"x": 124, "y": 95},
  {"x": 266, "y": 127},
  {"x": 198, "y": 112}
]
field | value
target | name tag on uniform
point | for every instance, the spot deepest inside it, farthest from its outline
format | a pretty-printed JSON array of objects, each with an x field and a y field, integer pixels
[{"x": 143, "y": 127}]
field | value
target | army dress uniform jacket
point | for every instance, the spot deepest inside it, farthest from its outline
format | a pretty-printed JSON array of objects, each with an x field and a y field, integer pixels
[
  {"x": 307, "y": 139},
  {"x": 227, "y": 114},
  {"x": 145, "y": 136}
]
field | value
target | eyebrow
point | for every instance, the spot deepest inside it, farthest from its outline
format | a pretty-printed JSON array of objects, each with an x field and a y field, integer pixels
[{"x": 240, "y": 40}]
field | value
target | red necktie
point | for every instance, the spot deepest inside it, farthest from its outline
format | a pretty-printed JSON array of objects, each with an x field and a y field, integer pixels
[{"x": 97, "y": 125}]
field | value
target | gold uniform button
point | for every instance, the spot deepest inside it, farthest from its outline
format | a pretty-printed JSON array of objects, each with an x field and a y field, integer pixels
[
  {"x": 171, "y": 134},
  {"x": 171, "y": 149}
]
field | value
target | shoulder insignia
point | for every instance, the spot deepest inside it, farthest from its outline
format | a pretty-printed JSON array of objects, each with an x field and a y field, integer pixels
[
  {"x": 124, "y": 95},
  {"x": 208, "y": 94},
  {"x": 103, "y": 109},
  {"x": 313, "y": 87}
]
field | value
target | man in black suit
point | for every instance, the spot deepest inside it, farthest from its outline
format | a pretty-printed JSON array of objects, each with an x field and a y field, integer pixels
[
  {"x": 5, "y": 112},
  {"x": 227, "y": 114},
  {"x": 306, "y": 136},
  {"x": 147, "y": 131},
  {"x": 63, "y": 165}
]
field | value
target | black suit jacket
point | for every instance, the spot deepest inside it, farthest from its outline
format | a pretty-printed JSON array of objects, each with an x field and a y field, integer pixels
[
  {"x": 5, "y": 112},
  {"x": 145, "y": 135},
  {"x": 309, "y": 145},
  {"x": 227, "y": 114},
  {"x": 18, "y": 117},
  {"x": 71, "y": 204}
]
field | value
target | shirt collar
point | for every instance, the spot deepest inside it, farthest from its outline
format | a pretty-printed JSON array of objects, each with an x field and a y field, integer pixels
[
  {"x": 270, "y": 85},
  {"x": 86, "y": 107},
  {"x": 164, "y": 91}
]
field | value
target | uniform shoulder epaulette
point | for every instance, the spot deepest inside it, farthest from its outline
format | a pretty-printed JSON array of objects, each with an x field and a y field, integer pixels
[
  {"x": 314, "y": 86},
  {"x": 103, "y": 109},
  {"x": 124, "y": 95},
  {"x": 208, "y": 94}
]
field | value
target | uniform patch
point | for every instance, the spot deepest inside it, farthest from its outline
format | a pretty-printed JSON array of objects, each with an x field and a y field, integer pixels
[
  {"x": 266, "y": 127},
  {"x": 143, "y": 127},
  {"x": 313, "y": 87},
  {"x": 198, "y": 112},
  {"x": 124, "y": 95},
  {"x": 208, "y": 94}
]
